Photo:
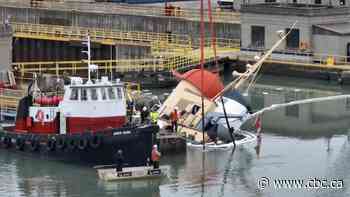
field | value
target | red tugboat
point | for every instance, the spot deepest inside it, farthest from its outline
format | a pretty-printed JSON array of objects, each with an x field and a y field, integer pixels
[{"x": 87, "y": 125}]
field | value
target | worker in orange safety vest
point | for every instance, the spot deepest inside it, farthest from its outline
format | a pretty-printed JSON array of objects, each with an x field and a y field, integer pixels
[
  {"x": 155, "y": 157},
  {"x": 174, "y": 117}
]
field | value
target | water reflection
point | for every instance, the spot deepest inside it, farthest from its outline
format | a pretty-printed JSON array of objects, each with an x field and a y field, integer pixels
[
  {"x": 132, "y": 188},
  {"x": 300, "y": 142},
  {"x": 322, "y": 119}
]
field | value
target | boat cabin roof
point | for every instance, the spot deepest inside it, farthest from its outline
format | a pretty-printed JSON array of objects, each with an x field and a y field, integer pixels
[
  {"x": 100, "y": 91},
  {"x": 96, "y": 85}
]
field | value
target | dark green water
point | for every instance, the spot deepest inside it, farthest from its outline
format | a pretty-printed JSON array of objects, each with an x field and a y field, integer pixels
[{"x": 309, "y": 141}]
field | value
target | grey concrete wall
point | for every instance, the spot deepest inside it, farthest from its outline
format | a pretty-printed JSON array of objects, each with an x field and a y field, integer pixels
[
  {"x": 333, "y": 45},
  {"x": 5, "y": 50},
  {"x": 312, "y": 118},
  {"x": 117, "y": 21},
  {"x": 336, "y": 3},
  {"x": 328, "y": 44},
  {"x": 274, "y": 23},
  {"x": 26, "y": 50}
]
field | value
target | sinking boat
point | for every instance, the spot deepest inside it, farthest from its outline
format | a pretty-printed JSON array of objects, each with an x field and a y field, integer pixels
[
  {"x": 187, "y": 97},
  {"x": 224, "y": 109},
  {"x": 241, "y": 137}
]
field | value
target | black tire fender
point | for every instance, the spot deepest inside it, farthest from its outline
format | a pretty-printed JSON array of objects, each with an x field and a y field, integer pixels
[
  {"x": 82, "y": 143},
  {"x": 95, "y": 141},
  {"x": 71, "y": 143},
  {"x": 34, "y": 144},
  {"x": 7, "y": 141},
  {"x": 61, "y": 142},
  {"x": 51, "y": 144},
  {"x": 20, "y": 143}
]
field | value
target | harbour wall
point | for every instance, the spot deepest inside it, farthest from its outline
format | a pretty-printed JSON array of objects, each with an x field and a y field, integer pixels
[{"x": 47, "y": 50}]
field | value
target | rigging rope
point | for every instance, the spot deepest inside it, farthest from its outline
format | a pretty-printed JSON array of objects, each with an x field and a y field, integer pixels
[{"x": 202, "y": 63}]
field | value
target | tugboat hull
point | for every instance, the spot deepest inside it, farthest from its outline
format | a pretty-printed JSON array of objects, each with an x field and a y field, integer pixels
[{"x": 87, "y": 148}]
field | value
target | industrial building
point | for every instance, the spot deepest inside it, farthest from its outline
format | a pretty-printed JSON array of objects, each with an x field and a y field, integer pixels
[{"x": 321, "y": 31}]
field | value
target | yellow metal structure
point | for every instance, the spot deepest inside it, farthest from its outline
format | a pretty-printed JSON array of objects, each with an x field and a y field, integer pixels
[
  {"x": 9, "y": 100},
  {"x": 112, "y": 8},
  {"x": 170, "y": 51},
  {"x": 315, "y": 60},
  {"x": 166, "y": 63},
  {"x": 103, "y": 36},
  {"x": 159, "y": 42}
]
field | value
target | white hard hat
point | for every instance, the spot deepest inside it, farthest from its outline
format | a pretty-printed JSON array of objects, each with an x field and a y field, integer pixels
[
  {"x": 144, "y": 108},
  {"x": 155, "y": 146}
]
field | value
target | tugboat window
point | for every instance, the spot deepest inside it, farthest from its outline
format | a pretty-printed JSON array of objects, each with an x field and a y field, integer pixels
[
  {"x": 103, "y": 93},
  {"x": 74, "y": 94},
  {"x": 111, "y": 93},
  {"x": 94, "y": 94},
  {"x": 83, "y": 96},
  {"x": 120, "y": 94}
]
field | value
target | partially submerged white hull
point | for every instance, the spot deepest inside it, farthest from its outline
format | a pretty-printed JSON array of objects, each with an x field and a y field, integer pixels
[{"x": 249, "y": 138}]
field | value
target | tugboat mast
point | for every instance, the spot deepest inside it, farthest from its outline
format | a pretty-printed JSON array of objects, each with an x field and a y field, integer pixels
[{"x": 88, "y": 52}]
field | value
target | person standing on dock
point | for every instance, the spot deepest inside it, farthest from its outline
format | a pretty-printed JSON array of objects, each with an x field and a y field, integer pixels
[
  {"x": 144, "y": 114},
  {"x": 174, "y": 117},
  {"x": 119, "y": 160},
  {"x": 155, "y": 156},
  {"x": 154, "y": 115}
]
